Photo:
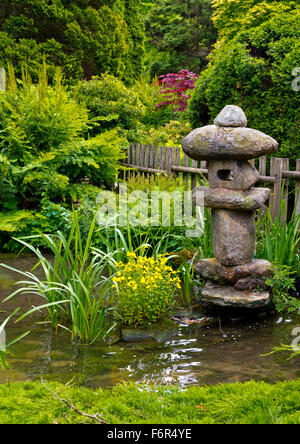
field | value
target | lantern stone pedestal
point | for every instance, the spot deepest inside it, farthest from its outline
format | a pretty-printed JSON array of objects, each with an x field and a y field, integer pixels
[{"x": 234, "y": 277}]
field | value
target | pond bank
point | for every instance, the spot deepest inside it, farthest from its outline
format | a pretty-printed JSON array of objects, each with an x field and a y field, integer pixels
[{"x": 249, "y": 403}]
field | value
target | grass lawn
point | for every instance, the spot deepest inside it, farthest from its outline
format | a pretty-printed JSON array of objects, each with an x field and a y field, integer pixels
[{"x": 249, "y": 403}]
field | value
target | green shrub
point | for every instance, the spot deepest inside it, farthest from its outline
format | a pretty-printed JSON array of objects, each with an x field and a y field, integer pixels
[
  {"x": 35, "y": 120},
  {"x": 281, "y": 283},
  {"x": 171, "y": 134},
  {"x": 157, "y": 182},
  {"x": 251, "y": 66},
  {"x": 110, "y": 103},
  {"x": 149, "y": 93},
  {"x": 95, "y": 160},
  {"x": 43, "y": 154},
  {"x": 45, "y": 160},
  {"x": 145, "y": 290}
]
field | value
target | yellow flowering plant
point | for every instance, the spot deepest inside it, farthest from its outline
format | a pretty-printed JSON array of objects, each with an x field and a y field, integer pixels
[{"x": 146, "y": 289}]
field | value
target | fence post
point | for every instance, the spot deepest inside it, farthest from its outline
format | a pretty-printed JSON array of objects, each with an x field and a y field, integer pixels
[
  {"x": 132, "y": 159},
  {"x": 177, "y": 160},
  {"x": 276, "y": 171},
  {"x": 263, "y": 166},
  {"x": 151, "y": 158},
  {"x": 146, "y": 162},
  {"x": 185, "y": 175},
  {"x": 297, "y": 190},
  {"x": 194, "y": 176},
  {"x": 168, "y": 161},
  {"x": 162, "y": 158},
  {"x": 156, "y": 158},
  {"x": 126, "y": 161},
  {"x": 285, "y": 196},
  {"x": 2, "y": 79}
]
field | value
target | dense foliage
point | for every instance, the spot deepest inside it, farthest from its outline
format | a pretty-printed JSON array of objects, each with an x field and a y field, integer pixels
[
  {"x": 252, "y": 66},
  {"x": 180, "y": 34},
  {"x": 85, "y": 37},
  {"x": 110, "y": 103},
  {"x": 44, "y": 156}
]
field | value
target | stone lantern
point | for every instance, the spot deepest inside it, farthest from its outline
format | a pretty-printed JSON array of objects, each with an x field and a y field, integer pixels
[{"x": 233, "y": 277}]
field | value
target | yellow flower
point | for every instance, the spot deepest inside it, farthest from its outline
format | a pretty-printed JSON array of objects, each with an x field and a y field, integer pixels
[{"x": 131, "y": 255}]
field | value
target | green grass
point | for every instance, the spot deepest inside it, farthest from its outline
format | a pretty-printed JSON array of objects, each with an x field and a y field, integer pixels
[{"x": 249, "y": 403}]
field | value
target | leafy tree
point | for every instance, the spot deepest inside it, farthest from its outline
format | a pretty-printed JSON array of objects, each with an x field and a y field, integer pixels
[
  {"x": 85, "y": 37},
  {"x": 174, "y": 89},
  {"x": 180, "y": 33},
  {"x": 252, "y": 66}
]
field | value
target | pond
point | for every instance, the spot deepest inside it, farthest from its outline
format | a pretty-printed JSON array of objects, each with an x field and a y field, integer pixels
[{"x": 227, "y": 351}]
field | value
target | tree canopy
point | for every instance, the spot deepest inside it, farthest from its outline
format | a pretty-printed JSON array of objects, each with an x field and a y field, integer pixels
[
  {"x": 182, "y": 33},
  {"x": 85, "y": 37},
  {"x": 252, "y": 66}
]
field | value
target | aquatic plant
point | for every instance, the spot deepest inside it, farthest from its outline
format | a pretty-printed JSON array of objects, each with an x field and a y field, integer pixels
[
  {"x": 4, "y": 348},
  {"x": 294, "y": 352},
  {"x": 279, "y": 243},
  {"x": 117, "y": 240},
  {"x": 187, "y": 279},
  {"x": 282, "y": 282},
  {"x": 75, "y": 288},
  {"x": 146, "y": 290}
]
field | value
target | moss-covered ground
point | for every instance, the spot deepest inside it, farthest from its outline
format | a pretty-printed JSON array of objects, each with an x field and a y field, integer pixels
[{"x": 249, "y": 403}]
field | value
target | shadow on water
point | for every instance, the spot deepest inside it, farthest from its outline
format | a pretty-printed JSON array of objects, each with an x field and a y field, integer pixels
[{"x": 195, "y": 355}]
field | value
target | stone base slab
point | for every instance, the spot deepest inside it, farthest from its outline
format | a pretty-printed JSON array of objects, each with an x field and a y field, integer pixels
[
  {"x": 230, "y": 297},
  {"x": 211, "y": 269}
]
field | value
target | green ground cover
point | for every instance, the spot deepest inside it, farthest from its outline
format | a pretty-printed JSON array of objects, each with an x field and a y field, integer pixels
[{"x": 249, "y": 403}]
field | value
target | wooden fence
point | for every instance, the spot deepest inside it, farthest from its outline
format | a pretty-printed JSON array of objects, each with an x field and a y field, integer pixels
[{"x": 148, "y": 160}]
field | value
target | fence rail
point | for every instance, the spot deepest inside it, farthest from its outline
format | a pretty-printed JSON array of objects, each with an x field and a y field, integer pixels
[{"x": 148, "y": 160}]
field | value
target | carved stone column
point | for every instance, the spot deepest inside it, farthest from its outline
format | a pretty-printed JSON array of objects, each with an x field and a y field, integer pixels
[{"x": 234, "y": 277}]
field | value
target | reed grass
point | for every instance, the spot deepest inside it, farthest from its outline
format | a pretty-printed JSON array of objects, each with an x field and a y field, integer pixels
[
  {"x": 277, "y": 242},
  {"x": 4, "y": 348},
  {"x": 75, "y": 288}
]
